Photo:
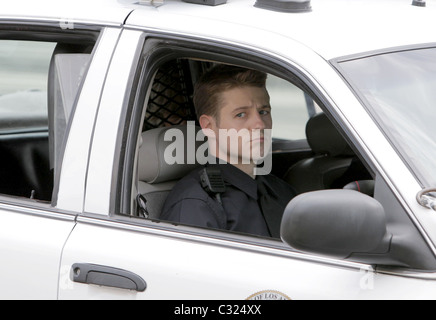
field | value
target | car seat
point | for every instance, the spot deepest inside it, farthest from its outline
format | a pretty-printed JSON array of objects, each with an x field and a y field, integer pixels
[
  {"x": 157, "y": 176},
  {"x": 332, "y": 161}
]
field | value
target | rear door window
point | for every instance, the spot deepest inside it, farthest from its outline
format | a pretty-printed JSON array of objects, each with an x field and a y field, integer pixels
[{"x": 39, "y": 82}]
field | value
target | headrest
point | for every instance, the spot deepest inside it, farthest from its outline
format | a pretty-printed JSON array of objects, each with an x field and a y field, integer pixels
[
  {"x": 165, "y": 154},
  {"x": 324, "y": 138}
]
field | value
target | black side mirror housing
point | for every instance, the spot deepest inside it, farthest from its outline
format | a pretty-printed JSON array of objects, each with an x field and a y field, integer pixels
[{"x": 336, "y": 223}]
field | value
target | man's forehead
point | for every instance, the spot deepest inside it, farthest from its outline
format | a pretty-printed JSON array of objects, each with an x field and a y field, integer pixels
[{"x": 248, "y": 96}]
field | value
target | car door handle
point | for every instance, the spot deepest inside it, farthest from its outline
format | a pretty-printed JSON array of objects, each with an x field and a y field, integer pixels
[{"x": 107, "y": 276}]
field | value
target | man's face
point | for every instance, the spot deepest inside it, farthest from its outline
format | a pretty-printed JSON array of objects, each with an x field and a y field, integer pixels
[{"x": 243, "y": 128}]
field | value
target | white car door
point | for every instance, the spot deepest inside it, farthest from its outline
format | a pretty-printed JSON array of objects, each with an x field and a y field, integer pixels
[{"x": 106, "y": 259}]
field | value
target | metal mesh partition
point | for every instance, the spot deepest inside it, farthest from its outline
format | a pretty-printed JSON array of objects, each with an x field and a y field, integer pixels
[{"x": 170, "y": 101}]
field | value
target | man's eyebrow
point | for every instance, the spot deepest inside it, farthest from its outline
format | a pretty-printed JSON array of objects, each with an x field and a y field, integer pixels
[
  {"x": 265, "y": 106},
  {"x": 239, "y": 109}
]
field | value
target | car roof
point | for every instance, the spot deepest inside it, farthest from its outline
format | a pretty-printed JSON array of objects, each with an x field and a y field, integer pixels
[
  {"x": 87, "y": 11},
  {"x": 332, "y": 29}
]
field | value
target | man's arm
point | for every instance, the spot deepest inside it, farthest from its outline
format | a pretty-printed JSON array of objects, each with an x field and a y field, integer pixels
[{"x": 200, "y": 212}]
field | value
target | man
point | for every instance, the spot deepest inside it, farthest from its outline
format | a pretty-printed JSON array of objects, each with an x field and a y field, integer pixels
[{"x": 232, "y": 104}]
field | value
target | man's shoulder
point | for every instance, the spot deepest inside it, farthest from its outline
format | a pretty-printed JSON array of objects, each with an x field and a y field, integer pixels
[
  {"x": 278, "y": 185},
  {"x": 273, "y": 179},
  {"x": 189, "y": 187}
]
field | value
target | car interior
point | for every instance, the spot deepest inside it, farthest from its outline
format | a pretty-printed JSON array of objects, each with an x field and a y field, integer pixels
[{"x": 323, "y": 160}]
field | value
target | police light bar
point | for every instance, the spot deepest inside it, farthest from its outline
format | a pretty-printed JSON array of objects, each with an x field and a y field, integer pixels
[
  {"x": 293, "y": 6},
  {"x": 153, "y": 3},
  {"x": 419, "y": 3},
  {"x": 207, "y": 2}
]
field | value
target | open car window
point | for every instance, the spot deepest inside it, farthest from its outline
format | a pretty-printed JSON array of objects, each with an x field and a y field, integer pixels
[
  {"x": 39, "y": 82},
  {"x": 168, "y": 113}
]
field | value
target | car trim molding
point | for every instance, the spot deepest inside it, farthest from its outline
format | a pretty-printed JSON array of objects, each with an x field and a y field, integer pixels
[{"x": 24, "y": 208}]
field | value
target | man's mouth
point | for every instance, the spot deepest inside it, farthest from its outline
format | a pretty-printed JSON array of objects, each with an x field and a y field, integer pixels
[{"x": 261, "y": 139}]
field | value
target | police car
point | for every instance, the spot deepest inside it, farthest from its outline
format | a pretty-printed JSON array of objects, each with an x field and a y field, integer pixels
[{"x": 88, "y": 89}]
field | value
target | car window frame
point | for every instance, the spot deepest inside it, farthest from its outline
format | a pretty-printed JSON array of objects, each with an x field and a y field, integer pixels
[
  {"x": 53, "y": 32},
  {"x": 167, "y": 47},
  {"x": 159, "y": 47}
]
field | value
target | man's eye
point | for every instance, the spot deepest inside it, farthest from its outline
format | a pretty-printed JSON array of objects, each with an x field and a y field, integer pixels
[
  {"x": 264, "y": 112},
  {"x": 241, "y": 115}
]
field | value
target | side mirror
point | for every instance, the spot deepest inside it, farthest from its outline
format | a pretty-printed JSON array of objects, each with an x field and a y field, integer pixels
[{"x": 336, "y": 223}]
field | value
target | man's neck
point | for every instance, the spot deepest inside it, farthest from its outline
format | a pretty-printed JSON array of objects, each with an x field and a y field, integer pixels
[{"x": 246, "y": 168}]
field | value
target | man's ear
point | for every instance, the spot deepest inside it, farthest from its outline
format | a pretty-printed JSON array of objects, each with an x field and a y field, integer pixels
[
  {"x": 207, "y": 122},
  {"x": 208, "y": 126}
]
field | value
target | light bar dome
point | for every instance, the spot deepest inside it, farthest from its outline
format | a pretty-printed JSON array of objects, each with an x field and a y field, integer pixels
[{"x": 293, "y": 6}]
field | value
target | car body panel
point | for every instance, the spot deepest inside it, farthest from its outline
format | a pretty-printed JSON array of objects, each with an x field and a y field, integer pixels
[
  {"x": 31, "y": 243},
  {"x": 182, "y": 266},
  {"x": 109, "y": 116},
  {"x": 193, "y": 269}
]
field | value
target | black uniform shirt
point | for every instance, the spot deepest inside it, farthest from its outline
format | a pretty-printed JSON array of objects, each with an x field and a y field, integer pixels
[{"x": 240, "y": 211}]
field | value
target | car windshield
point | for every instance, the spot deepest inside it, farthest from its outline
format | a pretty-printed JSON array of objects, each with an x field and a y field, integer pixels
[{"x": 399, "y": 90}]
